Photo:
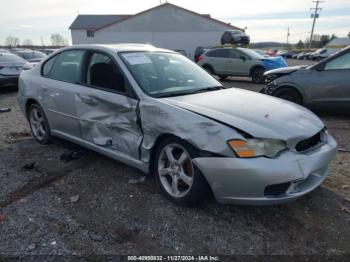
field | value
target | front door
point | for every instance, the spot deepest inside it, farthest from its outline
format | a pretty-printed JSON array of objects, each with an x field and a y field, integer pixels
[
  {"x": 332, "y": 84},
  {"x": 106, "y": 108}
]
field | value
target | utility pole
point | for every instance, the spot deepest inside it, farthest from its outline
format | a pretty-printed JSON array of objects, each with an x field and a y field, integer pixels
[
  {"x": 288, "y": 34},
  {"x": 315, "y": 15},
  {"x": 42, "y": 41}
]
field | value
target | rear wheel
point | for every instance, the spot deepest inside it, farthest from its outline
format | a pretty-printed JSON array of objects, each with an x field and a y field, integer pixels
[
  {"x": 209, "y": 69},
  {"x": 258, "y": 75},
  {"x": 38, "y": 124},
  {"x": 176, "y": 175},
  {"x": 289, "y": 94}
]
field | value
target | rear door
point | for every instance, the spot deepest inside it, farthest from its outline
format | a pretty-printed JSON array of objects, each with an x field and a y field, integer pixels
[
  {"x": 238, "y": 64},
  {"x": 219, "y": 60},
  {"x": 60, "y": 80},
  {"x": 331, "y": 86},
  {"x": 106, "y": 106}
]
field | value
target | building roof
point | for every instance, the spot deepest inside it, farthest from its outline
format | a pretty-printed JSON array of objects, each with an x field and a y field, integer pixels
[
  {"x": 96, "y": 22},
  {"x": 339, "y": 41}
]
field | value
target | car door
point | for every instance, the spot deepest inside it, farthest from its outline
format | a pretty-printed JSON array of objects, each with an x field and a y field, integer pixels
[
  {"x": 106, "y": 107},
  {"x": 238, "y": 63},
  {"x": 60, "y": 77},
  {"x": 219, "y": 59},
  {"x": 331, "y": 83}
]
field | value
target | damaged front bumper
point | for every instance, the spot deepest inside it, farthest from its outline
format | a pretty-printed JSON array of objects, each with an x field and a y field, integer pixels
[{"x": 265, "y": 181}]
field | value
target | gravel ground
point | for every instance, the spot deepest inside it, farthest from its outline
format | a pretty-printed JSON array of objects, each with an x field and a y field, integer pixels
[{"x": 94, "y": 205}]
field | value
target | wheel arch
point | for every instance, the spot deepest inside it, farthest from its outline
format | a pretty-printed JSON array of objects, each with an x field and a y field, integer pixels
[
  {"x": 255, "y": 67},
  {"x": 293, "y": 87},
  {"x": 28, "y": 103}
]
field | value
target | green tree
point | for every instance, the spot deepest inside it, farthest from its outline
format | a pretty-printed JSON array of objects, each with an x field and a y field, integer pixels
[{"x": 300, "y": 44}]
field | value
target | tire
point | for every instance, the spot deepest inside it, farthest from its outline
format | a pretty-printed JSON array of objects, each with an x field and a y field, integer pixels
[
  {"x": 209, "y": 69},
  {"x": 258, "y": 75},
  {"x": 176, "y": 175},
  {"x": 289, "y": 94},
  {"x": 222, "y": 77},
  {"x": 38, "y": 124}
]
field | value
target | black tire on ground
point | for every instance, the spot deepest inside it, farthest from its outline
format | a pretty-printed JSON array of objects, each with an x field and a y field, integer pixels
[
  {"x": 197, "y": 191},
  {"x": 258, "y": 75},
  {"x": 209, "y": 69},
  {"x": 290, "y": 94},
  {"x": 222, "y": 77},
  {"x": 41, "y": 136}
]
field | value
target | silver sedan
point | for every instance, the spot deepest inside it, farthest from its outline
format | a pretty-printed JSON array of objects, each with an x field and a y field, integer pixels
[{"x": 156, "y": 110}]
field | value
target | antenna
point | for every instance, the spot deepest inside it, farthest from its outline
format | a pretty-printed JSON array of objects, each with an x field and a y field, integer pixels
[{"x": 315, "y": 15}]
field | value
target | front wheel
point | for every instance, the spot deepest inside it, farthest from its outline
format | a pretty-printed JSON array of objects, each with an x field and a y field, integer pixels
[
  {"x": 176, "y": 175},
  {"x": 289, "y": 94},
  {"x": 258, "y": 75}
]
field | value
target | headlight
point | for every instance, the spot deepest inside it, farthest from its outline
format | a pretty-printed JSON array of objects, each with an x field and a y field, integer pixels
[{"x": 257, "y": 147}]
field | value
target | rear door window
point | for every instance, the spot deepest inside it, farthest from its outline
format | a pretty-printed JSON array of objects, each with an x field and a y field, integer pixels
[
  {"x": 67, "y": 67},
  {"x": 221, "y": 53}
]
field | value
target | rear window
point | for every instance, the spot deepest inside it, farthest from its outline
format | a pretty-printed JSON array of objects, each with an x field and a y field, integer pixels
[{"x": 10, "y": 58}]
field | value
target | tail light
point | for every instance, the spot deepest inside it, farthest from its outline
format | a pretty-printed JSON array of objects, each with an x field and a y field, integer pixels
[{"x": 200, "y": 58}]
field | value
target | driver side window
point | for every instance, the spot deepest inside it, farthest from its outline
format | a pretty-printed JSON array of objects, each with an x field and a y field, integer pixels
[
  {"x": 341, "y": 62},
  {"x": 102, "y": 73}
]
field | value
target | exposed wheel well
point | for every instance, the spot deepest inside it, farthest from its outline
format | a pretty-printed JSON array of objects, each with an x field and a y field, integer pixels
[
  {"x": 28, "y": 104},
  {"x": 292, "y": 88},
  {"x": 255, "y": 67}
]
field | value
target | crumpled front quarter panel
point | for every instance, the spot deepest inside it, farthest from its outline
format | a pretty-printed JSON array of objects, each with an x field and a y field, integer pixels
[{"x": 160, "y": 118}]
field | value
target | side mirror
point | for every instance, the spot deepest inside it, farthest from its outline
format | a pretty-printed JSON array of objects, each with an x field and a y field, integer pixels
[
  {"x": 243, "y": 58},
  {"x": 319, "y": 67}
]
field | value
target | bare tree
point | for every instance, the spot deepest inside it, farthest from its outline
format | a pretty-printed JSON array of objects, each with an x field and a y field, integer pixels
[
  {"x": 12, "y": 41},
  {"x": 58, "y": 40},
  {"x": 27, "y": 42}
]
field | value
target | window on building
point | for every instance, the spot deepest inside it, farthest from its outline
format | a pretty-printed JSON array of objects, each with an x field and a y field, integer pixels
[{"x": 90, "y": 33}]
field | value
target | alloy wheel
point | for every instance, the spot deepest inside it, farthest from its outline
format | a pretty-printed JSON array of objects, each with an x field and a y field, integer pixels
[
  {"x": 175, "y": 170},
  {"x": 37, "y": 124}
]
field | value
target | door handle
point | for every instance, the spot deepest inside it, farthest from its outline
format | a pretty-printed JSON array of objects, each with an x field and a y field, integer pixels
[{"x": 88, "y": 100}]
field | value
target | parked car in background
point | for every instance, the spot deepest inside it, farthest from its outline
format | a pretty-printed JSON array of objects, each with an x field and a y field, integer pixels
[
  {"x": 272, "y": 52},
  {"x": 48, "y": 51},
  {"x": 261, "y": 52},
  {"x": 10, "y": 67},
  {"x": 304, "y": 56},
  {"x": 199, "y": 51},
  {"x": 30, "y": 55},
  {"x": 158, "y": 111},
  {"x": 225, "y": 62},
  {"x": 3, "y": 50},
  {"x": 325, "y": 85},
  {"x": 323, "y": 53},
  {"x": 235, "y": 37},
  {"x": 288, "y": 54}
]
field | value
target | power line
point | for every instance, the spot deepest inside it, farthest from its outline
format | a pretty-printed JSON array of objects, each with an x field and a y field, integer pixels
[{"x": 315, "y": 15}]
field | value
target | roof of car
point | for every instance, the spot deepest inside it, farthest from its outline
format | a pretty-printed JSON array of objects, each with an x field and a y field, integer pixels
[{"x": 122, "y": 47}]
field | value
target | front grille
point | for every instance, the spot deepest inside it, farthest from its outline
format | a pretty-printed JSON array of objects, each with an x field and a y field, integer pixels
[
  {"x": 276, "y": 190},
  {"x": 308, "y": 143}
]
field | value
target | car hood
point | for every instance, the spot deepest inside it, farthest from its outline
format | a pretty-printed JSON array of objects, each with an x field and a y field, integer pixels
[
  {"x": 284, "y": 70},
  {"x": 273, "y": 62},
  {"x": 256, "y": 114}
]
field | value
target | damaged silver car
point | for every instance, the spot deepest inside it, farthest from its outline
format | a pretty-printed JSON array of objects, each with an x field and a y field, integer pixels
[{"x": 156, "y": 110}]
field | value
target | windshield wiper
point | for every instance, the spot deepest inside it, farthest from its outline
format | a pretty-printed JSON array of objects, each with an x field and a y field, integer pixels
[{"x": 210, "y": 88}]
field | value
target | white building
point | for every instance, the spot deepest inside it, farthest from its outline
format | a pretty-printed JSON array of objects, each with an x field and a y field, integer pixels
[{"x": 166, "y": 26}]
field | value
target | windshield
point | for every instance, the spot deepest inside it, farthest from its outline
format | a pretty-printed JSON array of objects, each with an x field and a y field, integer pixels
[
  {"x": 251, "y": 53},
  {"x": 161, "y": 74},
  {"x": 11, "y": 58}
]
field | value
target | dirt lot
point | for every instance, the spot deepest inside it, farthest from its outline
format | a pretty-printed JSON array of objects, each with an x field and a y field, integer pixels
[{"x": 94, "y": 205}]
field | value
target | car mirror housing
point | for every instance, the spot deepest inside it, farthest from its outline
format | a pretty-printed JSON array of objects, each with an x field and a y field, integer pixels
[
  {"x": 319, "y": 67},
  {"x": 243, "y": 58}
]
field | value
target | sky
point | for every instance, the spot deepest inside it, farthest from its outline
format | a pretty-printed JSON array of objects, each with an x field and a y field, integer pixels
[{"x": 266, "y": 20}]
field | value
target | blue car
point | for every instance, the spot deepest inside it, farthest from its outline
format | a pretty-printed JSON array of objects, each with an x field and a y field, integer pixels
[{"x": 229, "y": 61}]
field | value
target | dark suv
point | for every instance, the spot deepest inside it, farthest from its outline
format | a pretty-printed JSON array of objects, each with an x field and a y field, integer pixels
[{"x": 236, "y": 37}]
